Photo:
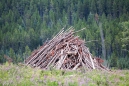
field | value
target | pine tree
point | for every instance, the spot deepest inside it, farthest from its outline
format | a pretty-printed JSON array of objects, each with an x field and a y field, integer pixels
[
  {"x": 12, "y": 55},
  {"x": 26, "y": 53},
  {"x": 93, "y": 7},
  {"x": 114, "y": 9},
  {"x": 125, "y": 36},
  {"x": 100, "y": 6}
]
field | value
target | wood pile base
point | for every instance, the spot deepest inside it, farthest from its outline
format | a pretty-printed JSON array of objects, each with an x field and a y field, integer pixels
[{"x": 64, "y": 51}]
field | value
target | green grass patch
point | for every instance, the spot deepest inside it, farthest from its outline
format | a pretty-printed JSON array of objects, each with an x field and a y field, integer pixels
[{"x": 14, "y": 75}]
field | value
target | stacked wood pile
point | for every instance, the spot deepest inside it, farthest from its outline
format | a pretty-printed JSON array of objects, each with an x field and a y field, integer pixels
[{"x": 64, "y": 51}]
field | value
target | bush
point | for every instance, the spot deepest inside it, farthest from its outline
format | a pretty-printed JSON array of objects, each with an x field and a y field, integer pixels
[
  {"x": 122, "y": 63},
  {"x": 113, "y": 60}
]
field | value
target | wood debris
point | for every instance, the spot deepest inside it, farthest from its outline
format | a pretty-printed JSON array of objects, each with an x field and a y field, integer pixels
[{"x": 64, "y": 51}]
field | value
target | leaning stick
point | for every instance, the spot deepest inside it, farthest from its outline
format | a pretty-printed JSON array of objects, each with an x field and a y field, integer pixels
[{"x": 91, "y": 60}]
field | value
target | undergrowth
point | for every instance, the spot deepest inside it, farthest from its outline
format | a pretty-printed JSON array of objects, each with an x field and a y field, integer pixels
[{"x": 14, "y": 75}]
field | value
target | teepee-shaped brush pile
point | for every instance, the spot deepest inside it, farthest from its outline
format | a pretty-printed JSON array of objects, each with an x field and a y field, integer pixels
[{"x": 64, "y": 51}]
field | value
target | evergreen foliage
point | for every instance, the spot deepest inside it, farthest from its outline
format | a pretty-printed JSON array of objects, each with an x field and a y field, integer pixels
[{"x": 27, "y": 24}]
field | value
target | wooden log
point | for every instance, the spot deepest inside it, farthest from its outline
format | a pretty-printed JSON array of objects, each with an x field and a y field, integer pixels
[{"x": 76, "y": 66}]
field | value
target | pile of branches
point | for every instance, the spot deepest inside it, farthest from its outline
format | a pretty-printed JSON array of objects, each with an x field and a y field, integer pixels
[{"x": 64, "y": 51}]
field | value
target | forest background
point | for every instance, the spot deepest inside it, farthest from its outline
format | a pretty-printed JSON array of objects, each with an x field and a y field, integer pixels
[{"x": 27, "y": 24}]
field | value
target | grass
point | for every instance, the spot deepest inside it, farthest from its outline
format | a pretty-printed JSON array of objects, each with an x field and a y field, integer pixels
[{"x": 14, "y": 75}]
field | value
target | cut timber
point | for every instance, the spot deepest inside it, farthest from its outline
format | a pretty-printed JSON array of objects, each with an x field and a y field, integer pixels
[
  {"x": 91, "y": 60},
  {"x": 60, "y": 62},
  {"x": 64, "y": 51},
  {"x": 76, "y": 66}
]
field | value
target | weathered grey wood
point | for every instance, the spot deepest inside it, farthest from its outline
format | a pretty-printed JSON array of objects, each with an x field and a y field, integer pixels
[{"x": 76, "y": 66}]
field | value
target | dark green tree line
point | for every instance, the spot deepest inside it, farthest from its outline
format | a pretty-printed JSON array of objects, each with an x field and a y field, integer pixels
[{"x": 27, "y": 24}]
